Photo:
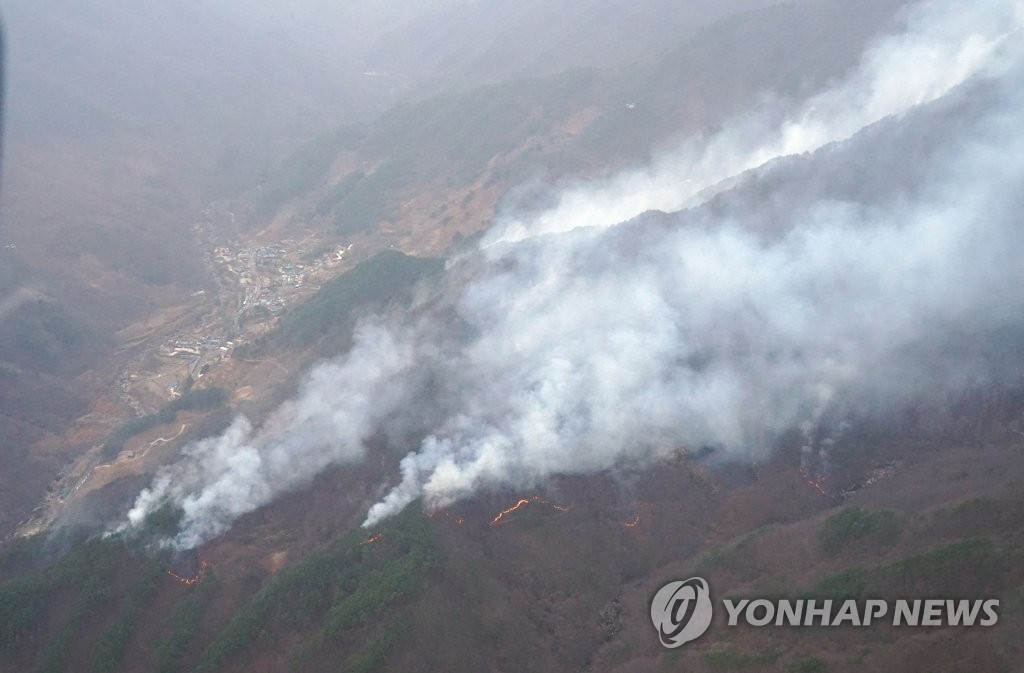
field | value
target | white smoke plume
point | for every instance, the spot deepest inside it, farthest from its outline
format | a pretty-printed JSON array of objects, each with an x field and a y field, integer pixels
[
  {"x": 845, "y": 274},
  {"x": 340, "y": 405},
  {"x": 947, "y": 43}
]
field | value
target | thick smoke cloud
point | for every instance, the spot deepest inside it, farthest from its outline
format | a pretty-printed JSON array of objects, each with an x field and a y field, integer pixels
[{"x": 577, "y": 345}]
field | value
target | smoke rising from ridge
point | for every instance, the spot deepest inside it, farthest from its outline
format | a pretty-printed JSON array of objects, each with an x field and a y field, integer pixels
[
  {"x": 946, "y": 44},
  {"x": 728, "y": 323},
  {"x": 340, "y": 404}
]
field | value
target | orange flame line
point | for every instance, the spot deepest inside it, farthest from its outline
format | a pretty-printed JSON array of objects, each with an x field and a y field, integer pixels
[
  {"x": 373, "y": 538},
  {"x": 500, "y": 515},
  {"x": 633, "y": 523},
  {"x": 526, "y": 501},
  {"x": 189, "y": 581},
  {"x": 816, "y": 484}
]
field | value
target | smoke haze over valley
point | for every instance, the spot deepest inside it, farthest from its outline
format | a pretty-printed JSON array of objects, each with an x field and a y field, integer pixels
[
  {"x": 412, "y": 335},
  {"x": 586, "y": 345}
]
